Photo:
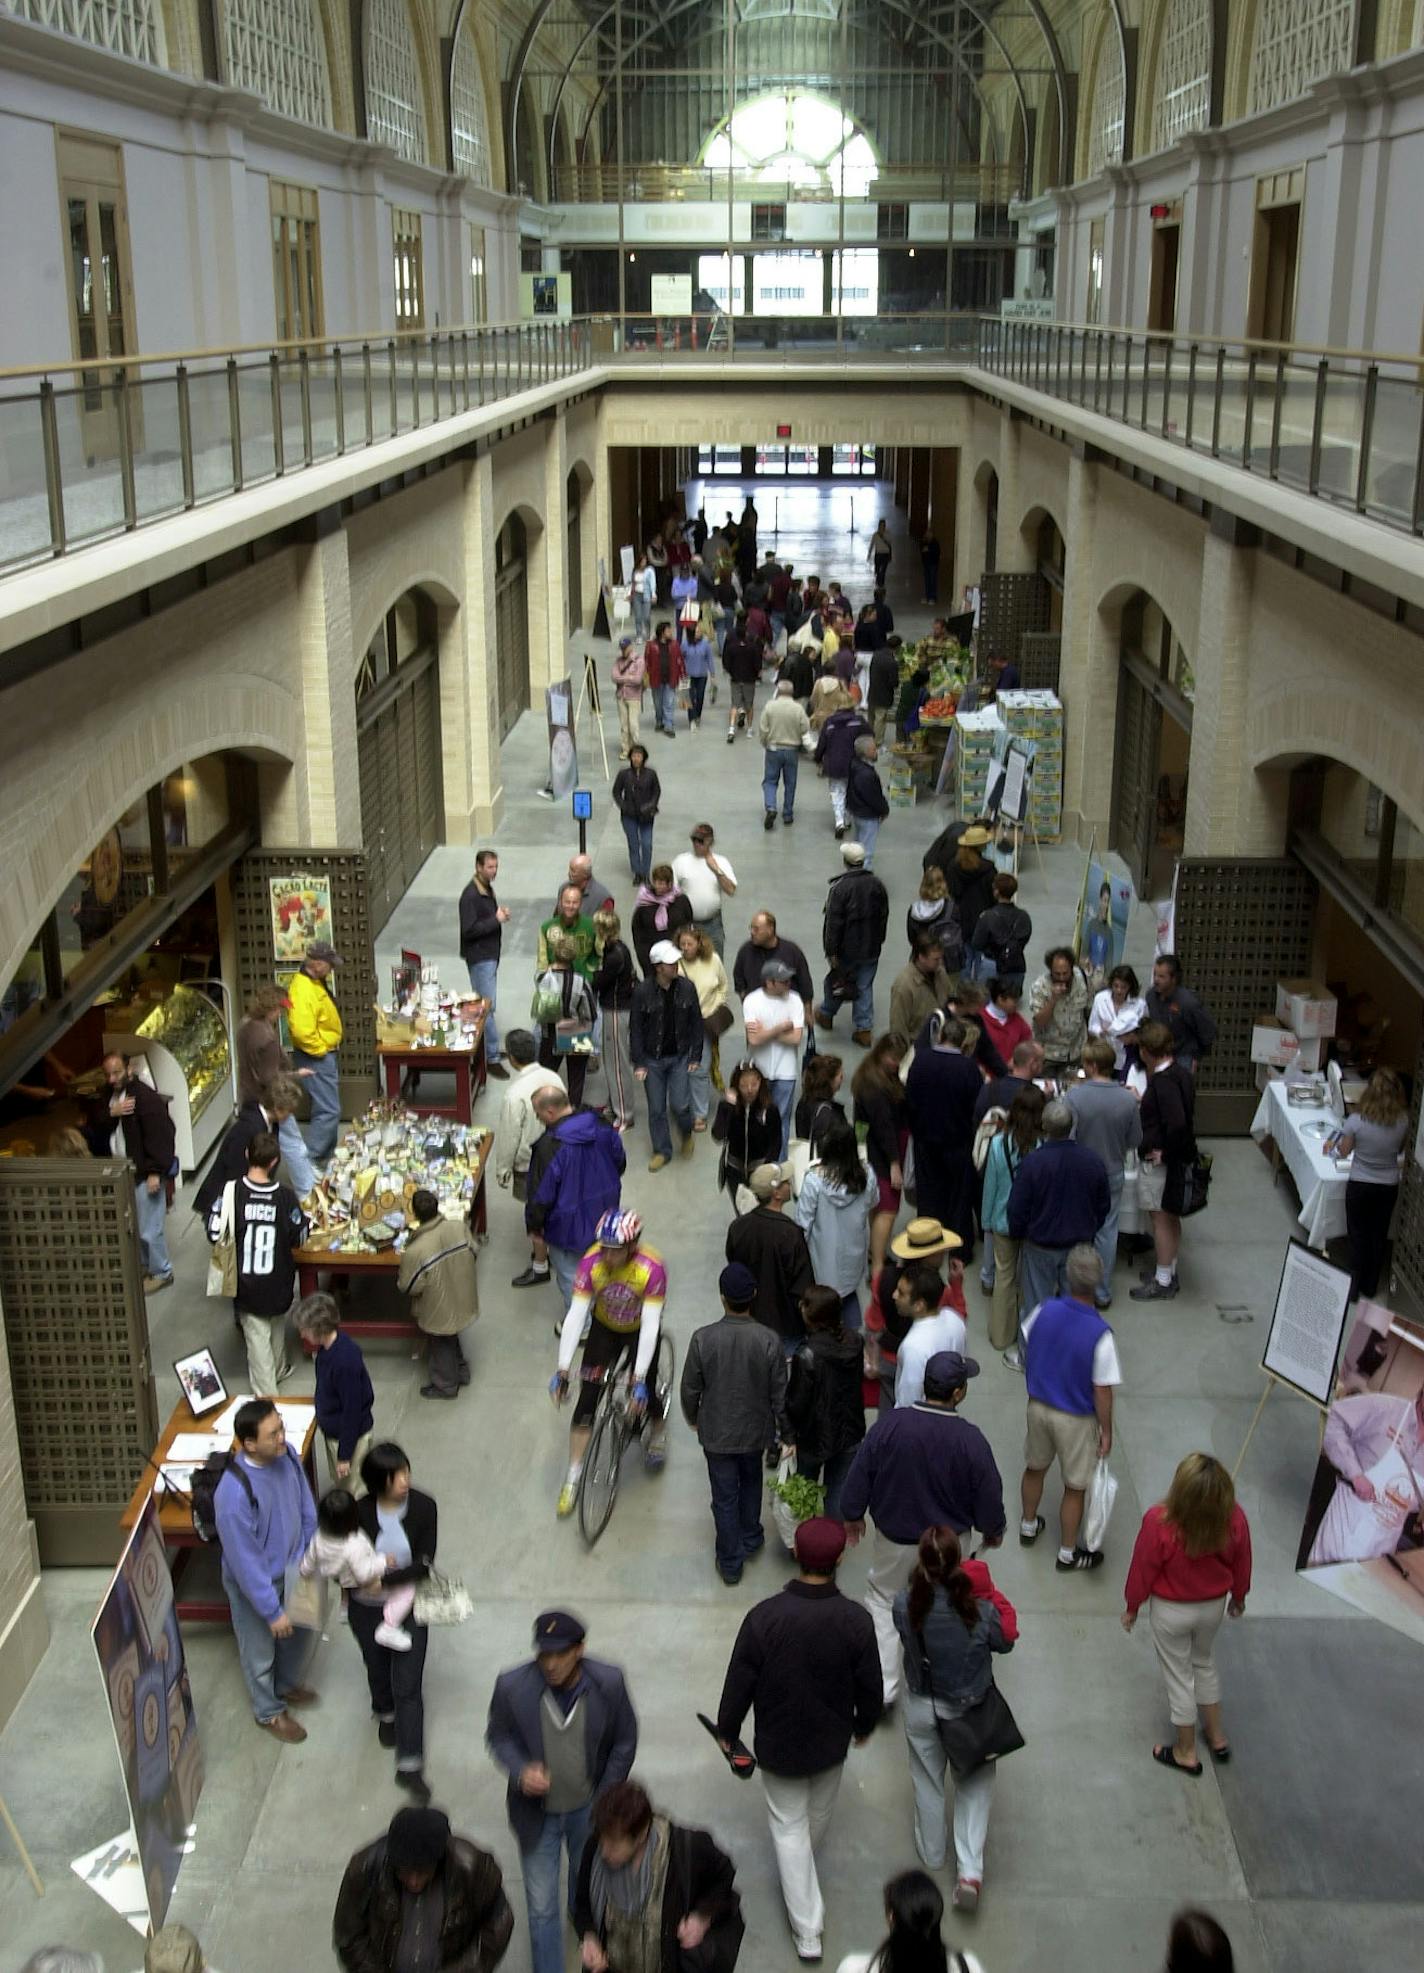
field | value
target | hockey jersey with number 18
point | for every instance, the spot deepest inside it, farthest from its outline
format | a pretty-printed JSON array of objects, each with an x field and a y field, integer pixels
[{"x": 268, "y": 1226}]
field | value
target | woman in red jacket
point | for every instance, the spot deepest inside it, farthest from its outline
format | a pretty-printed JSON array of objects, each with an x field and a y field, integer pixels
[{"x": 1191, "y": 1566}]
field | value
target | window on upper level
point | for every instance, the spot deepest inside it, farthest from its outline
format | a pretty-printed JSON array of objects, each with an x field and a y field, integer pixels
[
  {"x": 1296, "y": 43},
  {"x": 296, "y": 261},
  {"x": 469, "y": 118},
  {"x": 1109, "y": 107},
  {"x": 277, "y": 49},
  {"x": 126, "y": 27},
  {"x": 794, "y": 139},
  {"x": 1181, "y": 98},
  {"x": 408, "y": 251},
  {"x": 395, "y": 103}
]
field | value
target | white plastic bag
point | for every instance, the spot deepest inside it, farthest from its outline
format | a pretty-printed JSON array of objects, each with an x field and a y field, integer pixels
[
  {"x": 1098, "y": 1507},
  {"x": 786, "y": 1522}
]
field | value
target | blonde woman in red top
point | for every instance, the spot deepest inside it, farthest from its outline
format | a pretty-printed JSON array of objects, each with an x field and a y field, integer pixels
[{"x": 1191, "y": 1566}]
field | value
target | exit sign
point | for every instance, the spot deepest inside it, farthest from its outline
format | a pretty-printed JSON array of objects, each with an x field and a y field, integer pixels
[{"x": 783, "y": 431}]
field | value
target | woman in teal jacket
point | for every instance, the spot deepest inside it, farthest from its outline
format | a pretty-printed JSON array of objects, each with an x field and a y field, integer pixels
[{"x": 1015, "y": 1140}]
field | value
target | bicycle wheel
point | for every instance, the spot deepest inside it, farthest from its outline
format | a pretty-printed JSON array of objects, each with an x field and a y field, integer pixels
[
  {"x": 598, "y": 1483},
  {"x": 664, "y": 1368}
]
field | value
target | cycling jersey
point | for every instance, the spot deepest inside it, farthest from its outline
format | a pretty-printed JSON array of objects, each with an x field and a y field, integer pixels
[{"x": 620, "y": 1299}]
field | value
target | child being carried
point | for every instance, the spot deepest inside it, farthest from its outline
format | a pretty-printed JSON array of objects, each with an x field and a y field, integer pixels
[{"x": 341, "y": 1552}]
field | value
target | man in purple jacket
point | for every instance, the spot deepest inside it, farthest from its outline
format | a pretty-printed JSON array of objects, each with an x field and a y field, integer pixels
[
  {"x": 835, "y": 750},
  {"x": 265, "y": 1518},
  {"x": 575, "y": 1177}
]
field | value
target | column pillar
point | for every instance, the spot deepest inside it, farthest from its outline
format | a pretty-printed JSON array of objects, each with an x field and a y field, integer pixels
[
  {"x": 1231, "y": 810},
  {"x": 1088, "y": 674},
  {"x": 971, "y": 530},
  {"x": 548, "y": 642},
  {"x": 24, "y": 1624},
  {"x": 1013, "y": 555},
  {"x": 320, "y": 803},
  {"x": 469, "y": 694}
]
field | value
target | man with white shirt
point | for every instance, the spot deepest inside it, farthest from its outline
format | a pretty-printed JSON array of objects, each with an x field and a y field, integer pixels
[
  {"x": 1107, "y": 1118},
  {"x": 1072, "y": 1369},
  {"x": 705, "y": 879},
  {"x": 515, "y": 1136},
  {"x": 776, "y": 1027},
  {"x": 932, "y": 1328}
]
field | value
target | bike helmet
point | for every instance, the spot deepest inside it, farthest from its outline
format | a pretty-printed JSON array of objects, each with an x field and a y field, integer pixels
[{"x": 619, "y": 1229}]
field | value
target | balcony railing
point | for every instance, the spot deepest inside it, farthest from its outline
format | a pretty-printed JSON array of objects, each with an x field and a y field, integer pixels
[
  {"x": 656, "y": 184},
  {"x": 93, "y": 450},
  {"x": 1346, "y": 426}
]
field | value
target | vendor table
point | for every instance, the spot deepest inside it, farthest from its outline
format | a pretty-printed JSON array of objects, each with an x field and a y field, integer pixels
[
  {"x": 1318, "y": 1180},
  {"x": 406, "y": 1059},
  {"x": 314, "y": 1261},
  {"x": 175, "y": 1516}
]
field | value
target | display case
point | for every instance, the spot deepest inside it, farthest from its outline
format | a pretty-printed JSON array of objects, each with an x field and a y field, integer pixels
[{"x": 184, "y": 1038}]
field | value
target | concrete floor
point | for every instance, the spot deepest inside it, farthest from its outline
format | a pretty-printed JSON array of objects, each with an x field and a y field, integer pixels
[{"x": 1091, "y": 1847}]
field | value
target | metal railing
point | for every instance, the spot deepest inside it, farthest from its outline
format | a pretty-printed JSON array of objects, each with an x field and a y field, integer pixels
[
  {"x": 1342, "y": 425},
  {"x": 784, "y": 337},
  {"x": 630, "y": 184},
  {"x": 92, "y": 450}
]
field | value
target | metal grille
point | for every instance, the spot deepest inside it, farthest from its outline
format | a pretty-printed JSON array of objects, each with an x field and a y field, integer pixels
[
  {"x": 1296, "y": 43},
  {"x": 1181, "y": 97},
  {"x": 1010, "y": 605},
  {"x": 276, "y": 48},
  {"x": 353, "y": 984},
  {"x": 1106, "y": 121},
  {"x": 76, "y": 1328},
  {"x": 1040, "y": 660},
  {"x": 1241, "y": 926},
  {"x": 469, "y": 119},
  {"x": 395, "y": 105},
  {"x": 127, "y": 27},
  {"x": 1408, "y": 1261},
  {"x": 1139, "y": 725}
]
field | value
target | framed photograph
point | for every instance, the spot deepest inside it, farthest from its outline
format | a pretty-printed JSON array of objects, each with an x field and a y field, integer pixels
[
  {"x": 202, "y": 1385},
  {"x": 301, "y": 914}
]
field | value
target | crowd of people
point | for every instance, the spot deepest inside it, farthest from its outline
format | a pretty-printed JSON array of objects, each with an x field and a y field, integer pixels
[{"x": 1005, "y": 1100}]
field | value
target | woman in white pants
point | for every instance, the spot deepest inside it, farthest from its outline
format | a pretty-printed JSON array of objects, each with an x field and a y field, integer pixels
[
  {"x": 951, "y": 1621},
  {"x": 914, "y": 1913},
  {"x": 702, "y": 964},
  {"x": 1191, "y": 1566}
]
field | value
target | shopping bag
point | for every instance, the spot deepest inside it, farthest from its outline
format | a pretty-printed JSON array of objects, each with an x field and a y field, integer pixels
[
  {"x": 781, "y": 1514},
  {"x": 573, "y": 1037},
  {"x": 1098, "y": 1507},
  {"x": 1196, "y": 1186},
  {"x": 798, "y": 1156},
  {"x": 907, "y": 1175},
  {"x": 304, "y": 1600},
  {"x": 222, "y": 1262},
  {"x": 441, "y": 1600}
]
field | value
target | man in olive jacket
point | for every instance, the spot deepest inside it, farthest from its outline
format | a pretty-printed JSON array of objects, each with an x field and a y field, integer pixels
[
  {"x": 437, "y": 1271},
  {"x": 418, "y": 1866}
]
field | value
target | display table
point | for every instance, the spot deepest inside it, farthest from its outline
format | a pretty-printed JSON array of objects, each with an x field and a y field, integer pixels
[
  {"x": 175, "y": 1516},
  {"x": 399, "y": 1061},
  {"x": 313, "y": 1261},
  {"x": 1318, "y": 1179}
]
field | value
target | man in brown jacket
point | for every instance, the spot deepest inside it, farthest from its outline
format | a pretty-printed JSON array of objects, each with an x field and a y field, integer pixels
[
  {"x": 919, "y": 988},
  {"x": 419, "y": 1875},
  {"x": 437, "y": 1271}
]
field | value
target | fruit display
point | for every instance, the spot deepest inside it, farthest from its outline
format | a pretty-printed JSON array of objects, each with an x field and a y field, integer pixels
[{"x": 364, "y": 1200}]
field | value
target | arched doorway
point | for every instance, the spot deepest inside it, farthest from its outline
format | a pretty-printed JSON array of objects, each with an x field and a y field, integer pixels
[
  {"x": 573, "y": 572},
  {"x": 511, "y": 620},
  {"x": 398, "y": 749},
  {"x": 1156, "y": 687}
]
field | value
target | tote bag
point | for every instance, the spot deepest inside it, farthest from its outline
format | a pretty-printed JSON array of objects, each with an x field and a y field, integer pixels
[{"x": 222, "y": 1262}]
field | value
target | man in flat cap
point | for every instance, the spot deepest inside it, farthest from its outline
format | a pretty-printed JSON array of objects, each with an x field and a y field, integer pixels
[
  {"x": 563, "y": 1728},
  {"x": 806, "y": 1662},
  {"x": 734, "y": 1397},
  {"x": 421, "y": 1897}
]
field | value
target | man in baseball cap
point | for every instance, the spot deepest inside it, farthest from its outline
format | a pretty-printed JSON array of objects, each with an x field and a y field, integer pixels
[
  {"x": 805, "y": 1660},
  {"x": 665, "y": 1041},
  {"x": 562, "y": 1727},
  {"x": 314, "y": 1023},
  {"x": 734, "y": 1397},
  {"x": 769, "y": 1242}
]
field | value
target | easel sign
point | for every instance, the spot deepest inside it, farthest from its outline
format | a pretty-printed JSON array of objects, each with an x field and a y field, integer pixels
[{"x": 1307, "y": 1328}]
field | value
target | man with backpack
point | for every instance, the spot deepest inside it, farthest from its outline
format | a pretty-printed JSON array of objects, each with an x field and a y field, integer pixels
[
  {"x": 264, "y": 1515},
  {"x": 1001, "y": 936},
  {"x": 267, "y": 1225}
]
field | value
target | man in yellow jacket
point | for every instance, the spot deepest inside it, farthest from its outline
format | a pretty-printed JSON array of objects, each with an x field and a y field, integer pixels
[{"x": 314, "y": 1023}]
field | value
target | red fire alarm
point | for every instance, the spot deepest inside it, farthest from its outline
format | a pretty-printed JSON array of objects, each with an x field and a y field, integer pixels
[
  {"x": 1160, "y": 212},
  {"x": 783, "y": 431}
]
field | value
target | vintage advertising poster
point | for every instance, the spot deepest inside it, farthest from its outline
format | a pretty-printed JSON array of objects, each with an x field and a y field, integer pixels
[
  {"x": 140, "y": 1652},
  {"x": 301, "y": 914}
]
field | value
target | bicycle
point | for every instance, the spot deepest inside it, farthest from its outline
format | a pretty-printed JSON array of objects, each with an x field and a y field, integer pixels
[{"x": 614, "y": 1428}]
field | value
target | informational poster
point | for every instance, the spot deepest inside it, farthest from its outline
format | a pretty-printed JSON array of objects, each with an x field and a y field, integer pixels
[
  {"x": 1363, "y": 1537},
  {"x": 625, "y": 561},
  {"x": 545, "y": 297},
  {"x": 1102, "y": 923},
  {"x": 563, "y": 753},
  {"x": 140, "y": 1652},
  {"x": 671, "y": 294},
  {"x": 1303, "y": 1342},
  {"x": 1013, "y": 803},
  {"x": 301, "y": 914}
]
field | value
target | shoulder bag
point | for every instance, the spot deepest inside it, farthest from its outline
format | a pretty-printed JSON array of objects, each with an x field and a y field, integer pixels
[
  {"x": 986, "y": 1732},
  {"x": 1196, "y": 1185},
  {"x": 441, "y": 1601},
  {"x": 222, "y": 1262}
]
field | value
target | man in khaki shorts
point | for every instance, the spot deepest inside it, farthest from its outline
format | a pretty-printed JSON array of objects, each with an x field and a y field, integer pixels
[{"x": 1071, "y": 1366}]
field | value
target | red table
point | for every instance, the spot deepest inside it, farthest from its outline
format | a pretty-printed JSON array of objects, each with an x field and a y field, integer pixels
[{"x": 401, "y": 1060}]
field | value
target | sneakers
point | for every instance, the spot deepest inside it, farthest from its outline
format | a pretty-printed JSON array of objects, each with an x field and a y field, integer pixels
[
  {"x": 809, "y": 1951},
  {"x": 788, "y": 820},
  {"x": 414, "y": 1783},
  {"x": 568, "y": 1494},
  {"x": 1014, "y": 1358},
  {"x": 1155, "y": 1290},
  {"x": 966, "y": 1894},
  {"x": 841, "y": 828},
  {"x": 497, "y": 1070},
  {"x": 284, "y": 1728},
  {"x": 768, "y": 821},
  {"x": 532, "y": 1277},
  {"x": 655, "y": 1452},
  {"x": 434, "y": 1391},
  {"x": 1027, "y": 1541},
  {"x": 731, "y": 735},
  {"x": 689, "y": 1145},
  {"x": 392, "y": 1636},
  {"x": 153, "y": 1284},
  {"x": 657, "y": 1161},
  {"x": 1083, "y": 1558}
]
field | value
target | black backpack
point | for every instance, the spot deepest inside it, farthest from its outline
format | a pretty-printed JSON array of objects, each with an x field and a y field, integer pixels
[{"x": 203, "y": 1498}]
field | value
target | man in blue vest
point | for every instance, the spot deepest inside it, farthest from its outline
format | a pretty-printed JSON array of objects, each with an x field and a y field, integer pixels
[{"x": 1071, "y": 1366}]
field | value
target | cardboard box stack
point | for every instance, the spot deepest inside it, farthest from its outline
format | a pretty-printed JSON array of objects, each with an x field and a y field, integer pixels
[
  {"x": 1295, "y": 1035},
  {"x": 1038, "y": 716},
  {"x": 974, "y": 744}
]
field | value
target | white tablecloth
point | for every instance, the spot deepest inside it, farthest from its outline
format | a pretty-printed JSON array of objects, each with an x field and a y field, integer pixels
[{"x": 1318, "y": 1181}]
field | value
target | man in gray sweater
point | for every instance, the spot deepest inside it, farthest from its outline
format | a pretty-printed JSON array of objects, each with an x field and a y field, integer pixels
[
  {"x": 734, "y": 1397},
  {"x": 1107, "y": 1120}
]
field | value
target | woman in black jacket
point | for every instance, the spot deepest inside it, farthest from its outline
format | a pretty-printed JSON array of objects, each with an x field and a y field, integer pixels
[
  {"x": 401, "y": 1522},
  {"x": 696, "y": 1926},
  {"x": 747, "y": 1126},
  {"x": 971, "y": 880},
  {"x": 880, "y": 1107},
  {"x": 613, "y": 982},
  {"x": 821, "y": 1081},
  {"x": 637, "y": 791},
  {"x": 824, "y": 1401}
]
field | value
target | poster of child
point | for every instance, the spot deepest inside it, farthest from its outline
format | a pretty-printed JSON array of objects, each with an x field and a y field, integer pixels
[
  {"x": 301, "y": 914},
  {"x": 1102, "y": 925}
]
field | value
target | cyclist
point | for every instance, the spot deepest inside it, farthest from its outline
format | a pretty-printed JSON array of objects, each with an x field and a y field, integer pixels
[{"x": 619, "y": 1289}]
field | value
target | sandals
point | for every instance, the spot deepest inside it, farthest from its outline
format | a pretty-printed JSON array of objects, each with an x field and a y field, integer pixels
[
  {"x": 1164, "y": 1757},
  {"x": 1222, "y": 1754}
]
